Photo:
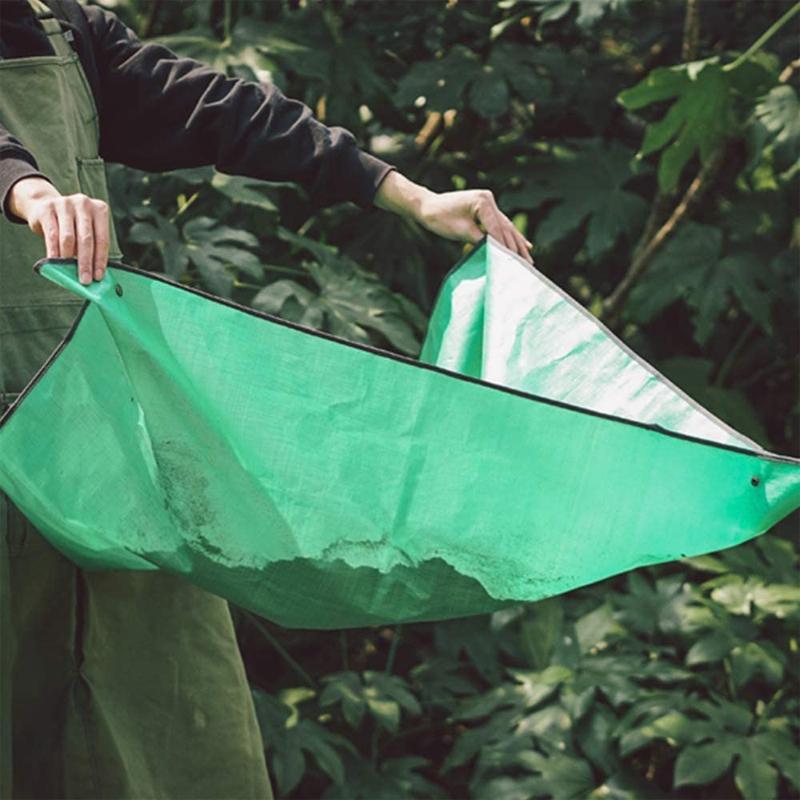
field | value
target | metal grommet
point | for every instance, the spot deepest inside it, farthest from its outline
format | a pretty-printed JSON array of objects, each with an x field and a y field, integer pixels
[
  {"x": 755, "y": 480},
  {"x": 118, "y": 290}
]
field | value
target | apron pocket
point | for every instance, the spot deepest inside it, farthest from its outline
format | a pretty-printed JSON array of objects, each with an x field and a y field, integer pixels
[{"x": 92, "y": 180}]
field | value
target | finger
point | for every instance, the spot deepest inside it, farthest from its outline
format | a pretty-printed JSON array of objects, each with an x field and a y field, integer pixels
[
  {"x": 65, "y": 216},
  {"x": 519, "y": 240},
  {"x": 516, "y": 237},
  {"x": 508, "y": 235},
  {"x": 47, "y": 226},
  {"x": 101, "y": 239},
  {"x": 84, "y": 229},
  {"x": 489, "y": 217},
  {"x": 472, "y": 233}
]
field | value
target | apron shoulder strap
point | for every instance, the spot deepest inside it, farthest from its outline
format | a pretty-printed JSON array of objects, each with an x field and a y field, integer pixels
[
  {"x": 52, "y": 27},
  {"x": 72, "y": 16}
]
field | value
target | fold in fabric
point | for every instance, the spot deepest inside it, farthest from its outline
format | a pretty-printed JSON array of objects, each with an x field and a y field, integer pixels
[{"x": 324, "y": 484}]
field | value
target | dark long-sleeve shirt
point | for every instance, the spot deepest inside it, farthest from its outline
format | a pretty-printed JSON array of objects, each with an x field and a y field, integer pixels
[{"x": 159, "y": 111}]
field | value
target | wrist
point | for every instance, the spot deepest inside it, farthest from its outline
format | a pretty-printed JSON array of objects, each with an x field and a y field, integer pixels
[
  {"x": 398, "y": 194},
  {"x": 27, "y": 191}
]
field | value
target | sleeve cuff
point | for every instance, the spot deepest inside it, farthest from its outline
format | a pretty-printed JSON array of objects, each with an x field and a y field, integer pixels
[
  {"x": 352, "y": 175},
  {"x": 373, "y": 170},
  {"x": 13, "y": 170}
]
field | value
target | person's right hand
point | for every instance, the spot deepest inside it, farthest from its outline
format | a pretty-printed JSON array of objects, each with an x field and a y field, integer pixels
[{"x": 73, "y": 226}]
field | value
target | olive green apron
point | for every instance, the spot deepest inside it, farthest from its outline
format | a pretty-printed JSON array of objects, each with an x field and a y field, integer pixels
[{"x": 112, "y": 684}]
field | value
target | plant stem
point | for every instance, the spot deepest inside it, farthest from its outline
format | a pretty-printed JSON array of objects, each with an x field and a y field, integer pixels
[
  {"x": 281, "y": 650},
  {"x": 393, "y": 648},
  {"x": 288, "y": 270},
  {"x": 764, "y": 38},
  {"x": 184, "y": 207},
  {"x": 733, "y": 353},
  {"x": 226, "y": 21}
]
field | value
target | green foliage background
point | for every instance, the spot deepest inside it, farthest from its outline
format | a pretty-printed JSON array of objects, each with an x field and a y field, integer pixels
[{"x": 650, "y": 150}]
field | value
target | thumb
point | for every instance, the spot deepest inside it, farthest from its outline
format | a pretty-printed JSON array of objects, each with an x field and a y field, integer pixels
[{"x": 472, "y": 233}]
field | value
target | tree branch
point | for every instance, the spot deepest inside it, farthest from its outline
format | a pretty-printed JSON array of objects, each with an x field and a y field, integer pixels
[
  {"x": 643, "y": 256},
  {"x": 663, "y": 200},
  {"x": 691, "y": 31}
]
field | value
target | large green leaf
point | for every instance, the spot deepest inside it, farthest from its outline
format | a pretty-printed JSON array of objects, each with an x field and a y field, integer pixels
[
  {"x": 218, "y": 251},
  {"x": 447, "y": 82},
  {"x": 350, "y": 302},
  {"x": 289, "y": 738},
  {"x": 755, "y": 777},
  {"x": 704, "y": 763},
  {"x": 594, "y": 628},
  {"x": 587, "y": 184},
  {"x": 441, "y": 82},
  {"x": 247, "y": 191},
  {"x": 152, "y": 228},
  {"x": 380, "y": 694},
  {"x": 697, "y": 122},
  {"x": 691, "y": 267},
  {"x": 563, "y": 776},
  {"x": 779, "y": 112}
]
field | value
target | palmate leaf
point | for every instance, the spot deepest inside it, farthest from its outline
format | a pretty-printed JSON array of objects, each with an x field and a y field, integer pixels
[
  {"x": 459, "y": 76},
  {"x": 779, "y": 113},
  {"x": 442, "y": 82},
  {"x": 691, "y": 267},
  {"x": 754, "y": 659},
  {"x": 471, "y": 636},
  {"x": 697, "y": 122},
  {"x": 359, "y": 302},
  {"x": 351, "y": 302},
  {"x": 247, "y": 191},
  {"x": 646, "y": 609},
  {"x": 587, "y": 184},
  {"x": 593, "y": 628},
  {"x": 153, "y": 228},
  {"x": 382, "y": 695},
  {"x": 540, "y": 630},
  {"x": 704, "y": 763},
  {"x": 218, "y": 251},
  {"x": 755, "y": 777},
  {"x": 288, "y": 739},
  {"x": 563, "y": 776},
  {"x": 439, "y": 682}
]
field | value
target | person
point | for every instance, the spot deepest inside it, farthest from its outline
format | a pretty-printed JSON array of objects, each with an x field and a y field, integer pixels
[{"x": 128, "y": 684}]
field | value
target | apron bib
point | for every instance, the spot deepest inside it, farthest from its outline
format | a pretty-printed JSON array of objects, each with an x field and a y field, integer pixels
[
  {"x": 112, "y": 685},
  {"x": 46, "y": 102}
]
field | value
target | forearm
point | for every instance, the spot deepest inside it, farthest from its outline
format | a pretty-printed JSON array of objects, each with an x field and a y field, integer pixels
[{"x": 399, "y": 195}]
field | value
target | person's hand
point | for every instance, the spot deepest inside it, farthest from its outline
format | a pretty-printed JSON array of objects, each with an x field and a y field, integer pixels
[
  {"x": 465, "y": 216},
  {"x": 73, "y": 226}
]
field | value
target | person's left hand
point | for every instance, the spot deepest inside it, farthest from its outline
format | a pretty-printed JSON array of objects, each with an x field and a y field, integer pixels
[{"x": 467, "y": 215}]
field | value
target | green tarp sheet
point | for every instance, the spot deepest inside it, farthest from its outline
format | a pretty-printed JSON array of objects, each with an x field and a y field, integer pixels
[{"x": 324, "y": 484}]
